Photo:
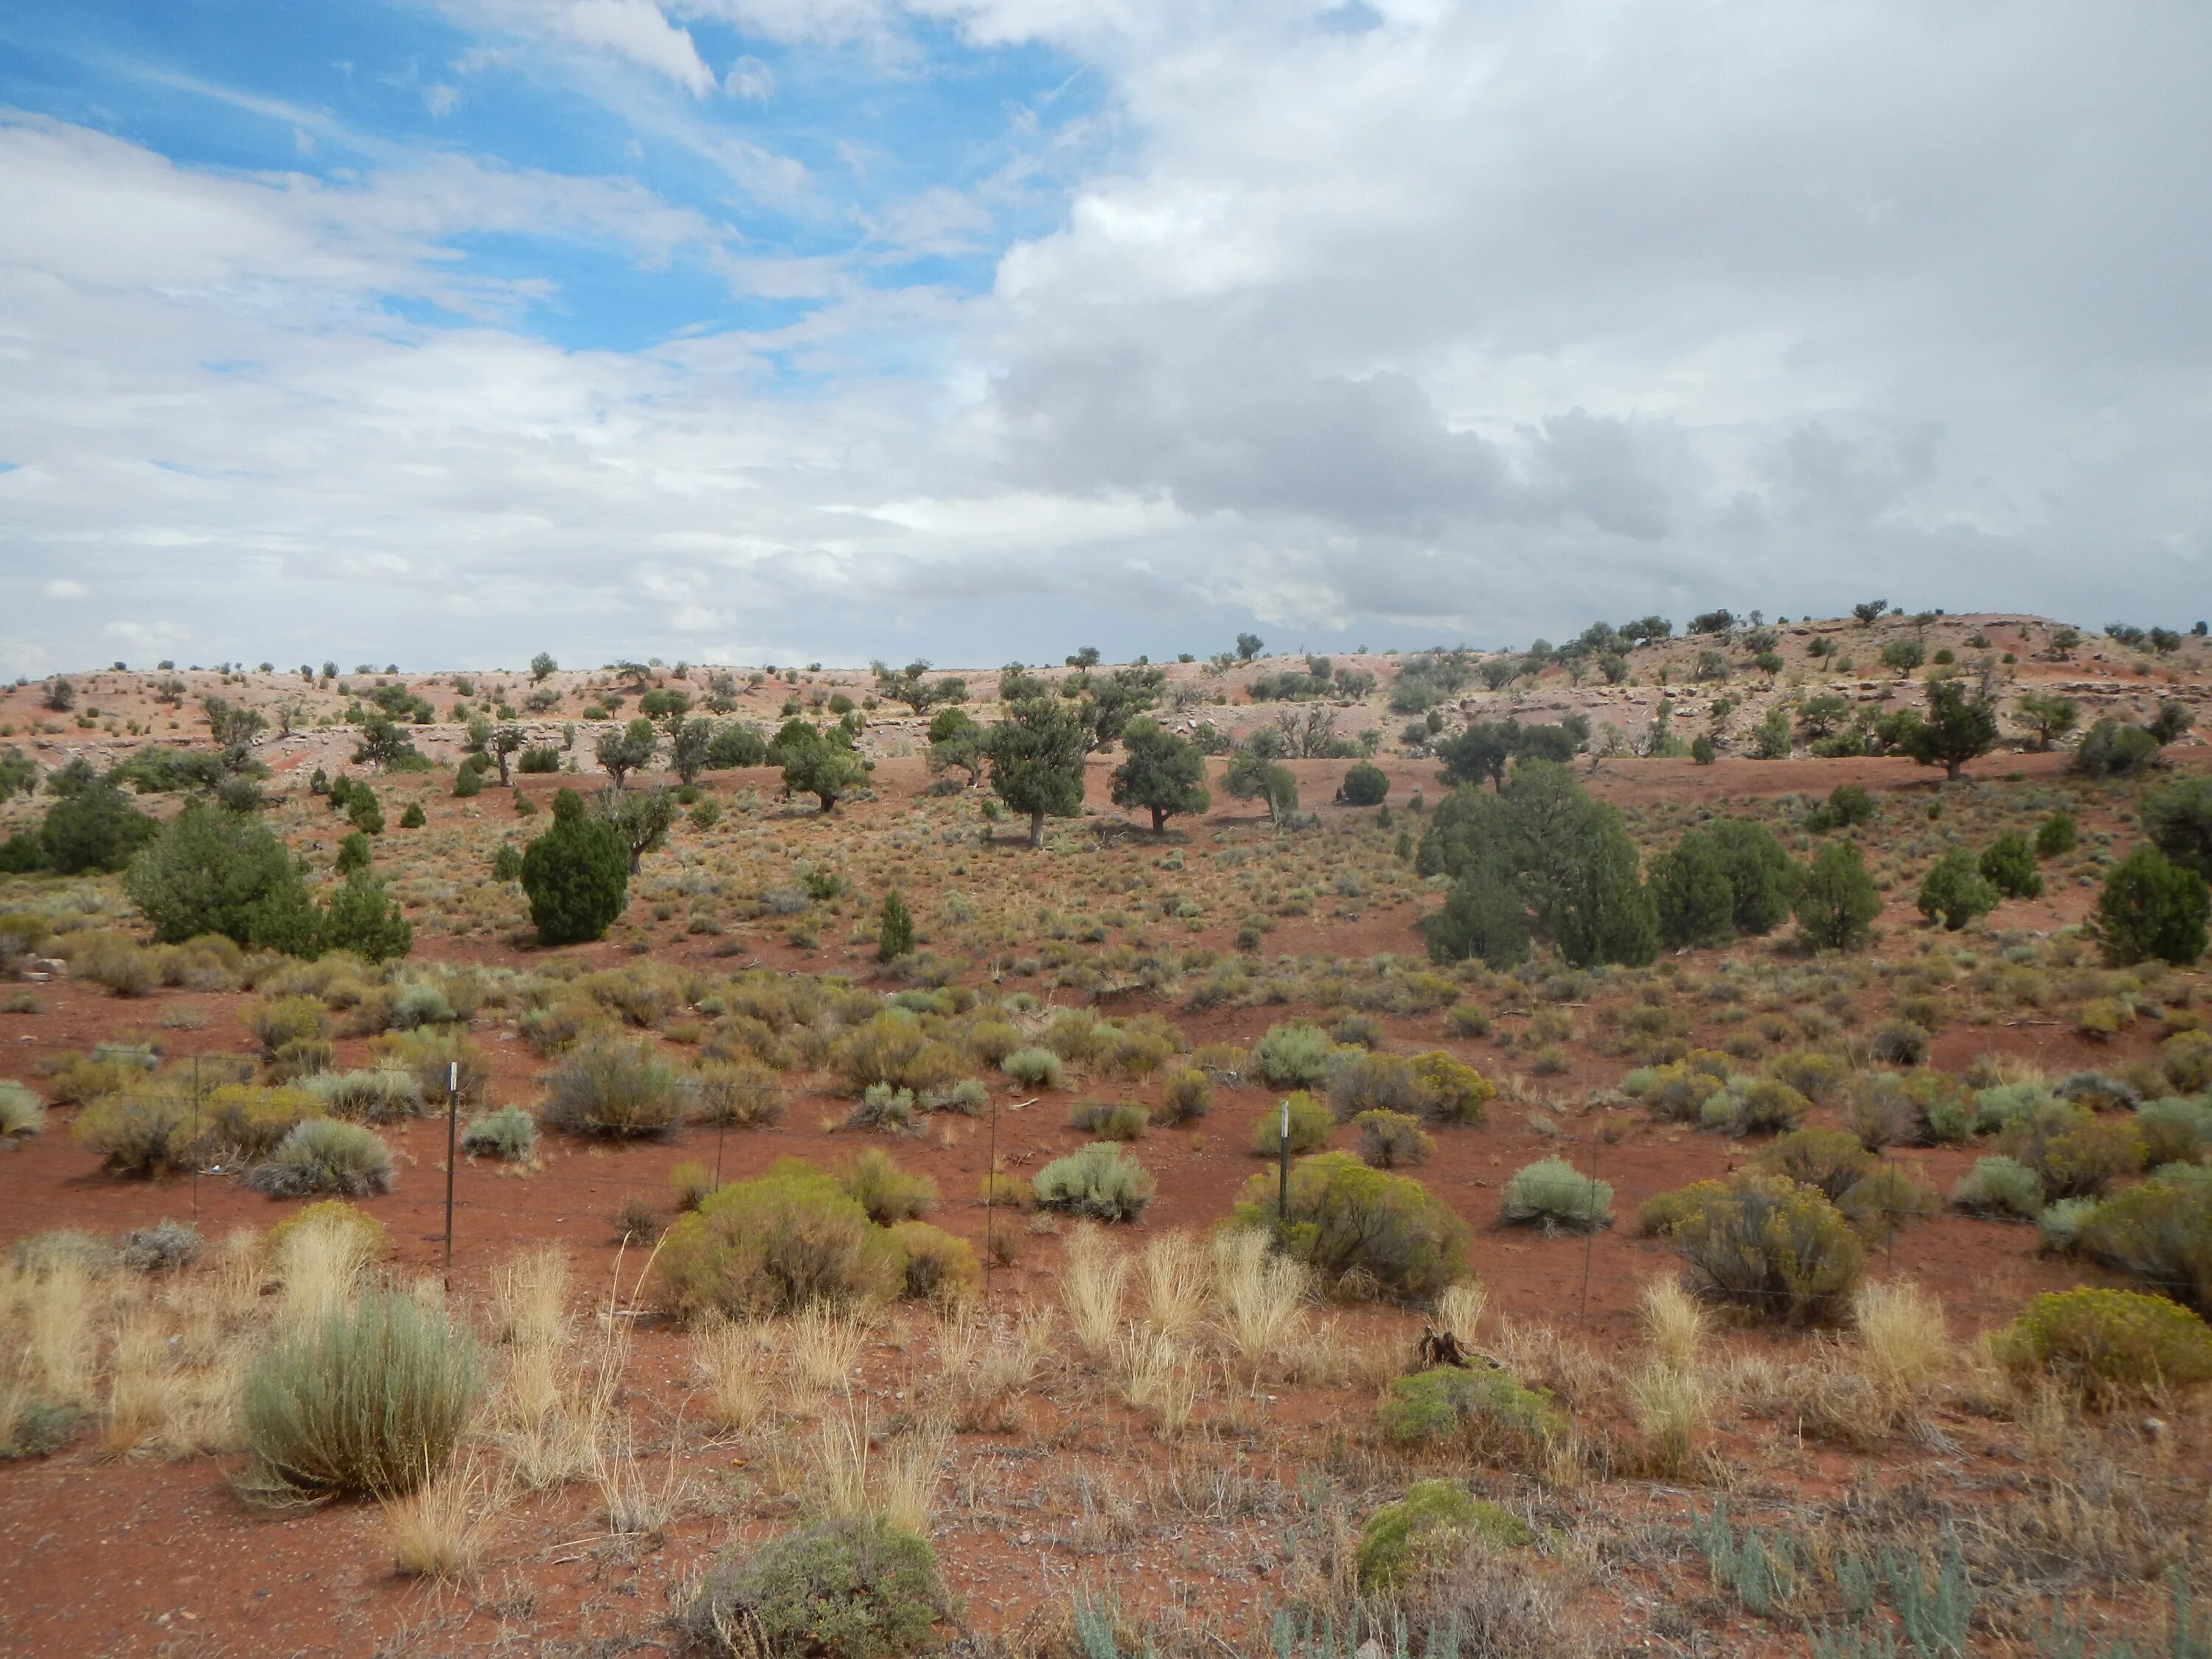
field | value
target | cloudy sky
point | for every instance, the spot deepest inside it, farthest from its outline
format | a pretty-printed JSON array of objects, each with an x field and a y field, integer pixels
[{"x": 445, "y": 330}]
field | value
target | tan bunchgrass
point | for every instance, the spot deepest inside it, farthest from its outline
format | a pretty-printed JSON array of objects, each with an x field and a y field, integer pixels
[
  {"x": 61, "y": 1309},
  {"x": 529, "y": 1297},
  {"x": 443, "y": 1529},
  {"x": 1667, "y": 1405},
  {"x": 1090, "y": 1288},
  {"x": 1159, "y": 1375},
  {"x": 634, "y": 1505},
  {"x": 141, "y": 1384},
  {"x": 1459, "y": 1311},
  {"x": 906, "y": 1484},
  {"x": 1674, "y": 1322},
  {"x": 824, "y": 1345},
  {"x": 983, "y": 1364},
  {"x": 1262, "y": 1295},
  {"x": 840, "y": 1464},
  {"x": 1903, "y": 1345},
  {"x": 319, "y": 1269},
  {"x": 1177, "y": 1285},
  {"x": 734, "y": 1359},
  {"x": 850, "y": 1479}
]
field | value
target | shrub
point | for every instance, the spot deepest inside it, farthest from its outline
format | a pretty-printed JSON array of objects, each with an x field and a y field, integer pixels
[
  {"x": 2150, "y": 907},
  {"x": 1186, "y": 1094},
  {"x": 1778, "y": 1252},
  {"x": 2001, "y": 1186},
  {"x": 1292, "y": 1056},
  {"x": 213, "y": 871},
  {"x": 615, "y": 1089},
  {"x": 1103, "y": 1182},
  {"x": 371, "y": 1399},
  {"x": 856, "y": 1588},
  {"x": 1827, "y": 1159},
  {"x": 1452, "y": 1091},
  {"x": 1954, "y": 892},
  {"x": 1389, "y": 1141},
  {"x": 1310, "y": 1124},
  {"x": 2158, "y": 1232},
  {"x": 2179, "y": 820},
  {"x": 1364, "y": 785},
  {"x": 1835, "y": 902},
  {"x": 894, "y": 1048},
  {"x": 114, "y": 963},
  {"x": 1359, "y": 1080},
  {"x": 2075, "y": 1154},
  {"x": 381, "y": 1094},
  {"x": 95, "y": 828},
  {"x": 2008, "y": 864},
  {"x": 576, "y": 874},
  {"x": 1900, "y": 1043},
  {"x": 1884, "y": 1199},
  {"x": 371, "y": 1242},
  {"x": 1365, "y": 1232},
  {"x": 2056, "y": 836},
  {"x": 165, "y": 1247},
  {"x": 23, "y": 1114},
  {"x": 1490, "y": 1408},
  {"x": 2059, "y": 1226},
  {"x": 509, "y": 1133},
  {"x": 2187, "y": 1060},
  {"x": 1821, "y": 1078},
  {"x": 1425, "y": 1530},
  {"x": 938, "y": 1267},
  {"x": 1032, "y": 1069},
  {"x": 886, "y": 1192},
  {"x": 147, "y": 1134},
  {"x": 773, "y": 1245},
  {"x": 323, "y": 1155},
  {"x": 1749, "y": 1106},
  {"x": 2175, "y": 1130},
  {"x": 2108, "y": 1343},
  {"x": 743, "y": 1094},
  {"x": 1555, "y": 1195}
]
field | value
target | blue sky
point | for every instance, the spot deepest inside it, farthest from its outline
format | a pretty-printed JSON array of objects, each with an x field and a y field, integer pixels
[{"x": 791, "y": 329}]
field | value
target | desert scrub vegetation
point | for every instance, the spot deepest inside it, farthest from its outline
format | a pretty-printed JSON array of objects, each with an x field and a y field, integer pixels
[
  {"x": 1555, "y": 1196},
  {"x": 615, "y": 1091},
  {"x": 1390, "y": 1141},
  {"x": 1365, "y": 1233},
  {"x": 2107, "y": 1344},
  {"x": 321, "y": 1156},
  {"x": 372, "y": 1398},
  {"x": 23, "y": 1114},
  {"x": 1103, "y": 1182},
  {"x": 1763, "y": 1247},
  {"x": 1310, "y": 1125},
  {"x": 855, "y": 1586},
  {"x": 508, "y": 1134},
  {"x": 789, "y": 1239},
  {"x": 1487, "y": 1414},
  {"x": 1412, "y": 1537}
]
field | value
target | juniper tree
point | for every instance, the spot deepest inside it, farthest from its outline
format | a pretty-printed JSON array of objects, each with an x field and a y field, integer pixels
[
  {"x": 1164, "y": 774},
  {"x": 1036, "y": 760}
]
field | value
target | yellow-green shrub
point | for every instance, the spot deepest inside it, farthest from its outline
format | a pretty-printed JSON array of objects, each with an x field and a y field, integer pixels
[{"x": 2108, "y": 1343}]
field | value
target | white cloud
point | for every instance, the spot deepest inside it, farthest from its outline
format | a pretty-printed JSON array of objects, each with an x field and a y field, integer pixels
[
  {"x": 1468, "y": 321},
  {"x": 750, "y": 79},
  {"x": 441, "y": 99},
  {"x": 62, "y": 588}
]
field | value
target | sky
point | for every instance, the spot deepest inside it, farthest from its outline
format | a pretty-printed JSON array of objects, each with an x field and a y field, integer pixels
[{"x": 445, "y": 332}]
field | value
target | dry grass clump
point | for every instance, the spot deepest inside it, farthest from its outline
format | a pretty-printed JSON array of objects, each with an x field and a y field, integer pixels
[
  {"x": 1262, "y": 1295},
  {"x": 443, "y": 1529},
  {"x": 1091, "y": 1287},
  {"x": 824, "y": 1344}
]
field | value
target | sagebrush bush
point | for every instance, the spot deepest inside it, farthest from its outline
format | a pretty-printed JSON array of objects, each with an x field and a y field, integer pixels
[
  {"x": 2175, "y": 1129},
  {"x": 1293, "y": 1056},
  {"x": 1772, "y": 1250},
  {"x": 856, "y": 1588},
  {"x": 2107, "y": 1343},
  {"x": 1389, "y": 1141},
  {"x": 937, "y": 1266},
  {"x": 2000, "y": 1187},
  {"x": 1104, "y": 1181},
  {"x": 741, "y": 1094},
  {"x": 620, "y": 1091},
  {"x": 324, "y": 1155},
  {"x": 2158, "y": 1232},
  {"x": 1033, "y": 1068},
  {"x": 1551, "y": 1194},
  {"x": 371, "y": 1399},
  {"x": 1365, "y": 1232},
  {"x": 379, "y": 1094},
  {"x": 2186, "y": 1059},
  {"x": 1829, "y": 1160},
  {"x": 1427, "y": 1529},
  {"x": 2074, "y": 1153},
  {"x": 509, "y": 1133},
  {"x": 276, "y": 1021},
  {"x": 1749, "y": 1106},
  {"x": 1821, "y": 1078},
  {"x": 886, "y": 1192},
  {"x": 140, "y": 1134},
  {"x": 1489, "y": 1409},
  {"x": 1109, "y": 1120},
  {"x": 894, "y": 1050},
  {"x": 23, "y": 1114},
  {"x": 240, "y": 1122},
  {"x": 773, "y": 1245},
  {"x": 1186, "y": 1094},
  {"x": 1360, "y": 1081},
  {"x": 1311, "y": 1123},
  {"x": 165, "y": 1247}
]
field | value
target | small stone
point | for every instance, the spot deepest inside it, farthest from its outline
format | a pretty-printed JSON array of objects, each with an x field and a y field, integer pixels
[{"x": 2153, "y": 1427}]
